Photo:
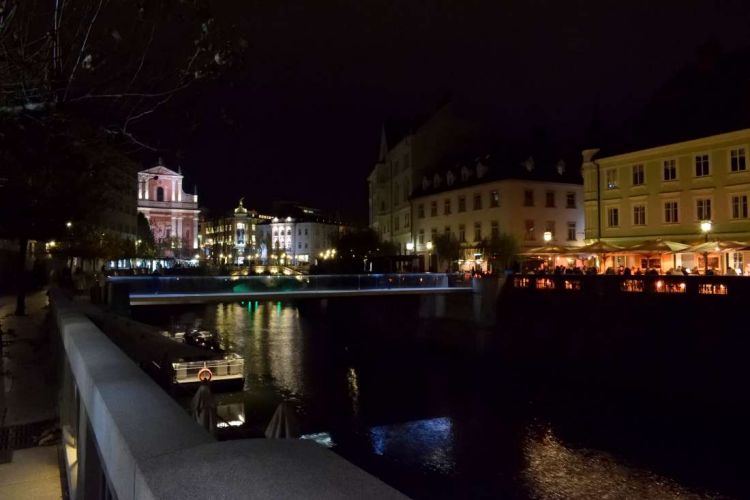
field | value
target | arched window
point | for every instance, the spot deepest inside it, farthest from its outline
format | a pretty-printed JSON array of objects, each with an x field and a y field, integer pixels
[{"x": 160, "y": 194}]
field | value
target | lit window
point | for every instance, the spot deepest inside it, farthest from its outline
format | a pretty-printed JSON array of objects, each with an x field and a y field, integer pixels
[
  {"x": 494, "y": 199},
  {"x": 701, "y": 166},
  {"x": 611, "y": 178},
  {"x": 670, "y": 170}
]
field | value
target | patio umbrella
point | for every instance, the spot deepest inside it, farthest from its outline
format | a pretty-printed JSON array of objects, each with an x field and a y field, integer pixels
[
  {"x": 657, "y": 246},
  {"x": 717, "y": 246},
  {"x": 598, "y": 248},
  {"x": 547, "y": 250}
]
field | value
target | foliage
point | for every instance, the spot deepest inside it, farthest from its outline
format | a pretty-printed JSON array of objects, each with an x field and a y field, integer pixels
[
  {"x": 501, "y": 250},
  {"x": 147, "y": 246},
  {"x": 446, "y": 247}
]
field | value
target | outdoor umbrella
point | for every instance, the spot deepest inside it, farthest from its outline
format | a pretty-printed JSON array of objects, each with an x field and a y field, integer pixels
[
  {"x": 717, "y": 246},
  {"x": 598, "y": 248},
  {"x": 284, "y": 424},
  {"x": 547, "y": 250},
  {"x": 657, "y": 246}
]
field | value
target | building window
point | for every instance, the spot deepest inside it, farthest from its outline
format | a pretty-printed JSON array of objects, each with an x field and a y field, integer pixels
[
  {"x": 529, "y": 230},
  {"x": 703, "y": 208},
  {"x": 461, "y": 233},
  {"x": 447, "y": 230},
  {"x": 477, "y": 201},
  {"x": 613, "y": 217},
  {"x": 737, "y": 160},
  {"x": 611, "y": 178},
  {"x": 549, "y": 227},
  {"x": 571, "y": 231},
  {"x": 549, "y": 199},
  {"x": 701, "y": 166},
  {"x": 570, "y": 200},
  {"x": 494, "y": 199},
  {"x": 433, "y": 234},
  {"x": 671, "y": 212},
  {"x": 494, "y": 230},
  {"x": 739, "y": 206},
  {"x": 670, "y": 170},
  {"x": 396, "y": 223},
  {"x": 462, "y": 203},
  {"x": 433, "y": 209},
  {"x": 447, "y": 206},
  {"x": 528, "y": 198},
  {"x": 639, "y": 215},
  {"x": 477, "y": 231},
  {"x": 160, "y": 194},
  {"x": 421, "y": 237},
  {"x": 299, "y": 231},
  {"x": 638, "y": 175}
]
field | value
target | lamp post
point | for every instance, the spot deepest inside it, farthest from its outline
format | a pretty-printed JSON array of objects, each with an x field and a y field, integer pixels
[
  {"x": 706, "y": 226},
  {"x": 547, "y": 236},
  {"x": 410, "y": 248},
  {"x": 429, "y": 255}
]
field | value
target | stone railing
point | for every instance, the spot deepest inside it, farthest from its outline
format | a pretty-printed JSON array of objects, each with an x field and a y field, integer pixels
[{"x": 125, "y": 438}]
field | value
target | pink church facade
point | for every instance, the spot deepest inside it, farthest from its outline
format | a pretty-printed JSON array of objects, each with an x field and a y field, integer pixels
[{"x": 172, "y": 213}]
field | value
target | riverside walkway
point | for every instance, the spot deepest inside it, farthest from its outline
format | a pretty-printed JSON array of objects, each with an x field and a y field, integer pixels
[{"x": 155, "y": 290}]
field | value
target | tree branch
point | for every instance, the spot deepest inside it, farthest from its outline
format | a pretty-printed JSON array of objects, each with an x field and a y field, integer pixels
[{"x": 82, "y": 49}]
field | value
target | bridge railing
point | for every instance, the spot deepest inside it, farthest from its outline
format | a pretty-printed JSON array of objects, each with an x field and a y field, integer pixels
[{"x": 266, "y": 284}]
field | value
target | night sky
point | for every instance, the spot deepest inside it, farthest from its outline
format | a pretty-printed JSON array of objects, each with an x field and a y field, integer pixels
[{"x": 301, "y": 119}]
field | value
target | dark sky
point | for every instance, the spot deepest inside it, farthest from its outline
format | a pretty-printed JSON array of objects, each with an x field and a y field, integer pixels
[{"x": 301, "y": 119}]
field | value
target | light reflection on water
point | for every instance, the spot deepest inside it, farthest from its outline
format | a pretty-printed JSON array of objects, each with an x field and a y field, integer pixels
[
  {"x": 553, "y": 470},
  {"x": 427, "y": 444}
]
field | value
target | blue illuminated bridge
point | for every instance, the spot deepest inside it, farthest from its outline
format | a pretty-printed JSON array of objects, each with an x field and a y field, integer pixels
[{"x": 154, "y": 290}]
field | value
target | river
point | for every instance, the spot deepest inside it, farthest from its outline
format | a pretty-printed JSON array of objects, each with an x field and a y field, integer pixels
[{"x": 437, "y": 421}]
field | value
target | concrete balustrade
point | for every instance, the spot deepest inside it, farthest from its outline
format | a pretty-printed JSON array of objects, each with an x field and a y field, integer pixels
[{"x": 148, "y": 447}]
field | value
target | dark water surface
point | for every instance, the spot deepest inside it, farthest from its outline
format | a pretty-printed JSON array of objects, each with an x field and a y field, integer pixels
[{"x": 453, "y": 419}]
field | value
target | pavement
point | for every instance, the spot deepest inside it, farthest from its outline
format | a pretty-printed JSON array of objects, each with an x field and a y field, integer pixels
[{"x": 30, "y": 379}]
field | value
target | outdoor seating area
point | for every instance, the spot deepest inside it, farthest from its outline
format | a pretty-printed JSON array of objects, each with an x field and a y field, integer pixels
[{"x": 648, "y": 257}]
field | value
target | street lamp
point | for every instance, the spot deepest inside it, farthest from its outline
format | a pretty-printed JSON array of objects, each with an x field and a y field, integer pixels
[
  {"x": 706, "y": 228},
  {"x": 547, "y": 236},
  {"x": 429, "y": 255},
  {"x": 68, "y": 224}
]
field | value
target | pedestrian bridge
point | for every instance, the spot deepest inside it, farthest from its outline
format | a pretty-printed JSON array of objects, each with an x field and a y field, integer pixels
[{"x": 155, "y": 290}]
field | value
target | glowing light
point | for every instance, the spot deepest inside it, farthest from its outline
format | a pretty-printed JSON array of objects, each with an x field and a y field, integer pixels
[
  {"x": 706, "y": 226},
  {"x": 410, "y": 246},
  {"x": 68, "y": 224},
  {"x": 429, "y": 245},
  {"x": 547, "y": 236}
]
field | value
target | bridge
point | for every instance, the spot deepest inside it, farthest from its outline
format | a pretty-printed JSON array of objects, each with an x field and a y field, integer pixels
[{"x": 156, "y": 290}]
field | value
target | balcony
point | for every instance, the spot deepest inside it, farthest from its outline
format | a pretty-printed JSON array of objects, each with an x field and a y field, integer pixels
[{"x": 185, "y": 205}]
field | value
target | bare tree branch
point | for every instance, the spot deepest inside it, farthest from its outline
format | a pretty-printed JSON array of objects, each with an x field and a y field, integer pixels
[{"x": 82, "y": 49}]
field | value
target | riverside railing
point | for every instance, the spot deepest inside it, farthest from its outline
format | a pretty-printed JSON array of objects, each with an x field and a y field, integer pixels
[{"x": 266, "y": 284}]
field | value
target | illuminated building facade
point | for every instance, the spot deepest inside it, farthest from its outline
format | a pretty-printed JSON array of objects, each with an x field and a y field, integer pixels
[
  {"x": 232, "y": 239},
  {"x": 668, "y": 191},
  {"x": 407, "y": 150},
  {"x": 172, "y": 213},
  {"x": 478, "y": 201},
  {"x": 298, "y": 236}
]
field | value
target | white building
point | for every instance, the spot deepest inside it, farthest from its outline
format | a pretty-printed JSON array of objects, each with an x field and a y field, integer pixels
[
  {"x": 295, "y": 241},
  {"x": 480, "y": 201}
]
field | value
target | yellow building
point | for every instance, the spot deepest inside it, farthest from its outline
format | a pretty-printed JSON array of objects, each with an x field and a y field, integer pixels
[{"x": 668, "y": 191}]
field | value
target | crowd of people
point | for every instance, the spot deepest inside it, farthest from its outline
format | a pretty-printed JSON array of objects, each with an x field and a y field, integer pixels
[{"x": 630, "y": 271}]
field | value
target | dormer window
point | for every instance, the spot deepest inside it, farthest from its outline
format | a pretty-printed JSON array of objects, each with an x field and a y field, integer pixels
[
  {"x": 465, "y": 173},
  {"x": 436, "y": 181},
  {"x": 560, "y": 167},
  {"x": 528, "y": 164},
  {"x": 425, "y": 183},
  {"x": 481, "y": 170},
  {"x": 450, "y": 178}
]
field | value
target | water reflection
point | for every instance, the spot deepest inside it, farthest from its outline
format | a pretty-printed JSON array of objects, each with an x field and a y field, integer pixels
[
  {"x": 427, "y": 444},
  {"x": 554, "y": 470}
]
